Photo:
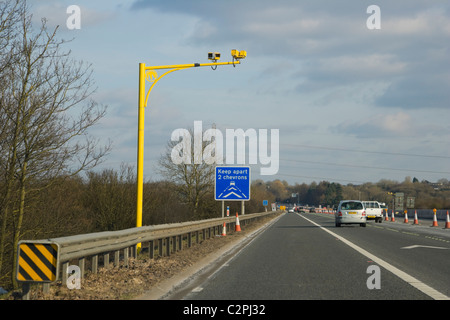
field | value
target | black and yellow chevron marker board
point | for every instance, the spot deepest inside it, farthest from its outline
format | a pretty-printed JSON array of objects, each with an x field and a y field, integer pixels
[{"x": 37, "y": 261}]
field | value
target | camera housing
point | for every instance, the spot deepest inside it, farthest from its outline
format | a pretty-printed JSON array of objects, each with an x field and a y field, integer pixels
[
  {"x": 214, "y": 56},
  {"x": 236, "y": 54}
]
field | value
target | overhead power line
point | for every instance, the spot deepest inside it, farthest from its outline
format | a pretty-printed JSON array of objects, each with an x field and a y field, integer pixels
[
  {"x": 369, "y": 151},
  {"x": 365, "y": 167},
  {"x": 319, "y": 178}
]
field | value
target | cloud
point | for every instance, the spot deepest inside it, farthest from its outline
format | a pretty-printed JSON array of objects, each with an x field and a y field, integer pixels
[
  {"x": 417, "y": 92},
  {"x": 348, "y": 69},
  {"x": 395, "y": 123},
  {"x": 429, "y": 22},
  {"x": 376, "y": 126}
]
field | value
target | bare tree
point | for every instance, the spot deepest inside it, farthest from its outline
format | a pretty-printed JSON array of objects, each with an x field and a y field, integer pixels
[
  {"x": 10, "y": 13},
  {"x": 193, "y": 179},
  {"x": 9, "y": 16},
  {"x": 46, "y": 113}
]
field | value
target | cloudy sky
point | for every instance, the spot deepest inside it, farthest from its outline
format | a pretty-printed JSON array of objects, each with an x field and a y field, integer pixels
[{"x": 352, "y": 104}]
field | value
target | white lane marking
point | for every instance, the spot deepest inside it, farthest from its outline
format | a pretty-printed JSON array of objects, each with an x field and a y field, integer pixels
[
  {"x": 420, "y": 246},
  {"x": 433, "y": 293}
]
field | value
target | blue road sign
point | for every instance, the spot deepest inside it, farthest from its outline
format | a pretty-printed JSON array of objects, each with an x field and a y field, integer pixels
[{"x": 232, "y": 183}]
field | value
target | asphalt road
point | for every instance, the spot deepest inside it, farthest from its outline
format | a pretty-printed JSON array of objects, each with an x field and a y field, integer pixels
[{"x": 306, "y": 257}]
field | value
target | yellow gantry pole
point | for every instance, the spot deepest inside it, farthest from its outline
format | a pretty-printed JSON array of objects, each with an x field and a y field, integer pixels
[
  {"x": 140, "y": 149},
  {"x": 144, "y": 73}
]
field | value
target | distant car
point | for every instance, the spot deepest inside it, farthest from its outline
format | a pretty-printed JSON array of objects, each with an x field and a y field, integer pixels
[
  {"x": 291, "y": 210},
  {"x": 374, "y": 210},
  {"x": 350, "y": 212}
]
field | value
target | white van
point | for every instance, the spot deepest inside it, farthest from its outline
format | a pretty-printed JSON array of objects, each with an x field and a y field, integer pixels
[
  {"x": 350, "y": 212},
  {"x": 374, "y": 210}
]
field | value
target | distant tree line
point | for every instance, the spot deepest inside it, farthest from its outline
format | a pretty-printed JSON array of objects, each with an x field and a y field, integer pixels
[{"x": 427, "y": 195}]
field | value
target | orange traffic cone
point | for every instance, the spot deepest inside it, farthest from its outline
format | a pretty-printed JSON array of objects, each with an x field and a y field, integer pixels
[
  {"x": 386, "y": 216},
  {"x": 416, "y": 221},
  {"x": 406, "y": 217},
  {"x": 224, "y": 229},
  {"x": 435, "y": 224},
  {"x": 447, "y": 224},
  {"x": 238, "y": 225},
  {"x": 392, "y": 217}
]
